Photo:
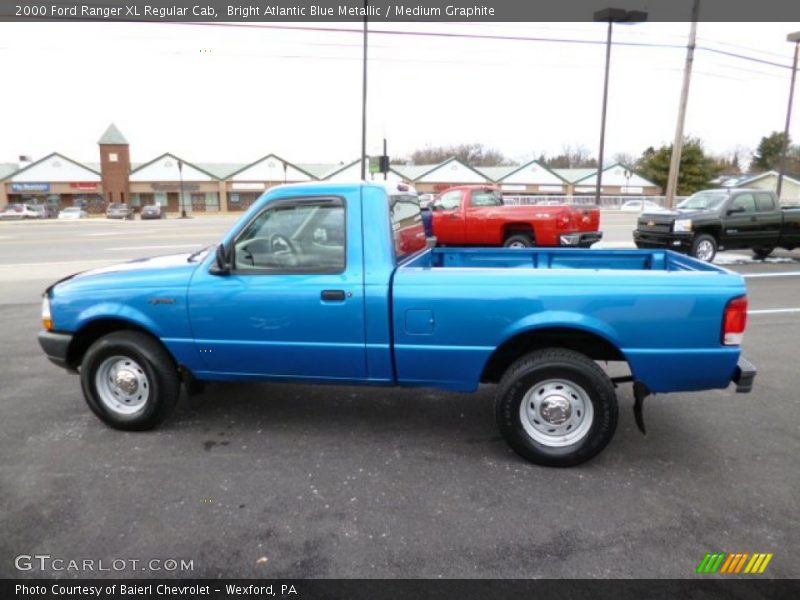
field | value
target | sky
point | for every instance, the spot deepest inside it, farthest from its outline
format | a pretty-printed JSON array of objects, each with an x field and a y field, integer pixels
[{"x": 222, "y": 93}]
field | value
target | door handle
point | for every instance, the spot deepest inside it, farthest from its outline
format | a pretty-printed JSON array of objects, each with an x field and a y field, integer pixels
[{"x": 333, "y": 295}]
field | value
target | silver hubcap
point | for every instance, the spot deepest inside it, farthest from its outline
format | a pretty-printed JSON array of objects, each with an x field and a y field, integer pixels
[
  {"x": 705, "y": 250},
  {"x": 556, "y": 413},
  {"x": 122, "y": 385},
  {"x": 516, "y": 245}
]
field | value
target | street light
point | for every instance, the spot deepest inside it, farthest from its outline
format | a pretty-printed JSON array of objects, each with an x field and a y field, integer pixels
[
  {"x": 610, "y": 16},
  {"x": 792, "y": 37},
  {"x": 364, "y": 99},
  {"x": 180, "y": 177}
]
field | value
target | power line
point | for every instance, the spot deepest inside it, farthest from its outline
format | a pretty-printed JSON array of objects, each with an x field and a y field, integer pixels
[{"x": 494, "y": 37}]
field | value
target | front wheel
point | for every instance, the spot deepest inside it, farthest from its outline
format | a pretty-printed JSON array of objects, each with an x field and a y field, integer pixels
[
  {"x": 129, "y": 381},
  {"x": 556, "y": 407},
  {"x": 704, "y": 247}
]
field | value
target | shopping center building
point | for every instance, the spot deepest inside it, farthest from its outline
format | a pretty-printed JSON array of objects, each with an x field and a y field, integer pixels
[{"x": 181, "y": 184}]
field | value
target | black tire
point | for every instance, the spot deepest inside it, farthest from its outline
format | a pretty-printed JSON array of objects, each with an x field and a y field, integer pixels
[
  {"x": 520, "y": 239},
  {"x": 762, "y": 252},
  {"x": 149, "y": 362},
  {"x": 704, "y": 247},
  {"x": 549, "y": 367}
]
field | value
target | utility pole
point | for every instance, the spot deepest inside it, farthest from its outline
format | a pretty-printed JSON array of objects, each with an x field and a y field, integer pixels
[
  {"x": 677, "y": 144},
  {"x": 792, "y": 37},
  {"x": 599, "y": 182}
]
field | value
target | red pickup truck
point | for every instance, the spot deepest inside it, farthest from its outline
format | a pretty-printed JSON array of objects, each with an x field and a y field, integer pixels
[{"x": 474, "y": 215}]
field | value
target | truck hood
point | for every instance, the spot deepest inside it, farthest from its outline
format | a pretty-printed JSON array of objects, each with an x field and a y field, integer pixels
[
  {"x": 675, "y": 213},
  {"x": 173, "y": 270}
]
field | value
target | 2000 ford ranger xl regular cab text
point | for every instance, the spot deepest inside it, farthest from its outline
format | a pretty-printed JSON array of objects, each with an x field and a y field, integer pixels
[{"x": 333, "y": 283}]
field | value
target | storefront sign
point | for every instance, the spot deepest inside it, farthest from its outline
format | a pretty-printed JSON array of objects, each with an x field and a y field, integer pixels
[
  {"x": 30, "y": 187},
  {"x": 175, "y": 187},
  {"x": 247, "y": 186},
  {"x": 84, "y": 187}
]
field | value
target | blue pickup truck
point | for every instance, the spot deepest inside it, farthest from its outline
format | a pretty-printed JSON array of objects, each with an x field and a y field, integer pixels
[{"x": 336, "y": 283}]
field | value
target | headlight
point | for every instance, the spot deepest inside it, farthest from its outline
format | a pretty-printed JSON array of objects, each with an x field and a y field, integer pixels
[
  {"x": 47, "y": 318},
  {"x": 682, "y": 226}
]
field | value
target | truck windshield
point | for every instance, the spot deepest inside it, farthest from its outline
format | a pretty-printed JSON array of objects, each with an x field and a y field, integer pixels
[{"x": 704, "y": 200}]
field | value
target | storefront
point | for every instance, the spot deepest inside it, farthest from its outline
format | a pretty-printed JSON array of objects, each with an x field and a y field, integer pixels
[{"x": 57, "y": 181}]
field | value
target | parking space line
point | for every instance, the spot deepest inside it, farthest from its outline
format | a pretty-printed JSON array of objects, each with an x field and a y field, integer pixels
[
  {"x": 783, "y": 274},
  {"x": 773, "y": 311},
  {"x": 156, "y": 247}
]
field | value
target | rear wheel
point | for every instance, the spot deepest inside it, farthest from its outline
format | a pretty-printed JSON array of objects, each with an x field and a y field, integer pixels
[
  {"x": 762, "y": 252},
  {"x": 129, "y": 381},
  {"x": 520, "y": 240},
  {"x": 556, "y": 407},
  {"x": 704, "y": 247}
]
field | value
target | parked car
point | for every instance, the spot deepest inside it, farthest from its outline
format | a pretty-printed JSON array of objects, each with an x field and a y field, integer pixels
[
  {"x": 18, "y": 212},
  {"x": 73, "y": 212},
  {"x": 153, "y": 211},
  {"x": 334, "y": 283},
  {"x": 641, "y": 206},
  {"x": 45, "y": 211},
  {"x": 713, "y": 220},
  {"x": 475, "y": 215},
  {"x": 118, "y": 210}
]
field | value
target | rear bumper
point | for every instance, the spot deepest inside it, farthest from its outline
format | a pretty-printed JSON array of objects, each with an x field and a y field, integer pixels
[
  {"x": 55, "y": 346},
  {"x": 743, "y": 376},
  {"x": 580, "y": 239},
  {"x": 669, "y": 241}
]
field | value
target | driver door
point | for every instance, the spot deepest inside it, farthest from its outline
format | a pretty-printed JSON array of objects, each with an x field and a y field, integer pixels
[
  {"x": 448, "y": 218},
  {"x": 293, "y": 305}
]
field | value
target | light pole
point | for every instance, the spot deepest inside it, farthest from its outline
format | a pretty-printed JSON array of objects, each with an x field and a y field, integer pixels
[
  {"x": 180, "y": 177},
  {"x": 792, "y": 37},
  {"x": 364, "y": 100},
  {"x": 610, "y": 16}
]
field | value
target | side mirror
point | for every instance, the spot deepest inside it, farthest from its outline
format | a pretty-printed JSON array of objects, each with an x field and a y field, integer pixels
[{"x": 221, "y": 265}]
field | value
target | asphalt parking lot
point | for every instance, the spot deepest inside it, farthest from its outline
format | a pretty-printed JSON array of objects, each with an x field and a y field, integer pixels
[{"x": 284, "y": 481}]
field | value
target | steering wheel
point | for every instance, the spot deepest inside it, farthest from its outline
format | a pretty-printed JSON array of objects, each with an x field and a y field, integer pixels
[{"x": 279, "y": 240}]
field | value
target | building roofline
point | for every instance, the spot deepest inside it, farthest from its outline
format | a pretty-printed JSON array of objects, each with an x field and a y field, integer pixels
[
  {"x": 265, "y": 157},
  {"x": 186, "y": 162},
  {"x": 44, "y": 158}
]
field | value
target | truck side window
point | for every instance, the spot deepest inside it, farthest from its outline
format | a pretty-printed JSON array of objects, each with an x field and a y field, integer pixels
[
  {"x": 486, "y": 198},
  {"x": 448, "y": 201},
  {"x": 745, "y": 201},
  {"x": 765, "y": 202},
  {"x": 294, "y": 236}
]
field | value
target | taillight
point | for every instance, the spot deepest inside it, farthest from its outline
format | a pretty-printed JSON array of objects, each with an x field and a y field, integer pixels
[
  {"x": 735, "y": 321},
  {"x": 562, "y": 220}
]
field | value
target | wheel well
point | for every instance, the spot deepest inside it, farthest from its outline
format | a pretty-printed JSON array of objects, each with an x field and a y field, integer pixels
[
  {"x": 510, "y": 229},
  {"x": 93, "y": 331},
  {"x": 589, "y": 344},
  {"x": 712, "y": 231}
]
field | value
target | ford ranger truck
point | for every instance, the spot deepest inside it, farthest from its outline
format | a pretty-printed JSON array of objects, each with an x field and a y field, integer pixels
[
  {"x": 475, "y": 215},
  {"x": 728, "y": 219},
  {"x": 333, "y": 283}
]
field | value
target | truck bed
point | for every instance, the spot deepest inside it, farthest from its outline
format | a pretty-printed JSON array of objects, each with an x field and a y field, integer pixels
[
  {"x": 555, "y": 258},
  {"x": 661, "y": 309}
]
